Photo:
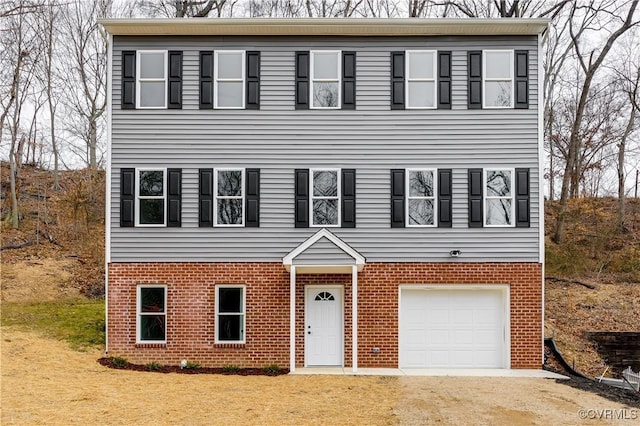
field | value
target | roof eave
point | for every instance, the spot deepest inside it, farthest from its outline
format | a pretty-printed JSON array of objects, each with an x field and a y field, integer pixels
[{"x": 325, "y": 26}]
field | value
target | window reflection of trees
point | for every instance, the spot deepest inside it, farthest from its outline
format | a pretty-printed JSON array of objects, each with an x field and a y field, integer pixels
[
  {"x": 325, "y": 94},
  {"x": 421, "y": 193},
  {"x": 499, "y": 194},
  {"x": 325, "y": 194},
  {"x": 229, "y": 197}
]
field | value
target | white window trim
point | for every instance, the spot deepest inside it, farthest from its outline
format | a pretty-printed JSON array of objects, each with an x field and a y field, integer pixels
[
  {"x": 235, "y": 197},
  {"x": 434, "y": 197},
  {"x": 243, "y": 313},
  {"x": 312, "y": 197},
  {"x": 485, "y": 197},
  {"x": 426, "y": 80},
  {"x": 164, "y": 197},
  {"x": 139, "y": 314},
  {"x": 147, "y": 80},
  {"x": 216, "y": 79},
  {"x": 485, "y": 79},
  {"x": 312, "y": 78}
]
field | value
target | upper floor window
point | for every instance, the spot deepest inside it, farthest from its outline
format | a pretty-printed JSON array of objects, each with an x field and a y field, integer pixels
[
  {"x": 325, "y": 197},
  {"x": 325, "y": 79},
  {"x": 151, "y": 79},
  {"x": 229, "y": 197},
  {"x": 421, "y": 197},
  {"x": 421, "y": 78},
  {"x": 499, "y": 204},
  {"x": 151, "y": 310},
  {"x": 229, "y": 79},
  {"x": 499, "y": 197},
  {"x": 150, "y": 197},
  {"x": 498, "y": 78}
]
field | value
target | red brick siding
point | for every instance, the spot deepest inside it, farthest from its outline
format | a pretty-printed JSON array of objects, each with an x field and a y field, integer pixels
[{"x": 191, "y": 316}]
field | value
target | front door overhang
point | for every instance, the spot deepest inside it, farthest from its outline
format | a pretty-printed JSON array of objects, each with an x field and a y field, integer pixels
[{"x": 347, "y": 261}]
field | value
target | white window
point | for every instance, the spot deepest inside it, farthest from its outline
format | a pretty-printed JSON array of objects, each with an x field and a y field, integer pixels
[
  {"x": 151, "y": 326},
  {"x": 421, "y": 197},
  {"x": 229, "y": 79},
  {"x": 421, "y": 78},
  {"x": 325, "y": 79},
  {"x": 151, "y": 197},
  {"x": 229, "y": 197},
  {"x": 497, "y": 79},
  {"x": 230, "y": 313},
  {"x": 151, "y": 79},
  {"x": 325, "y": 197},
  {"x": 498, "y": 197}
]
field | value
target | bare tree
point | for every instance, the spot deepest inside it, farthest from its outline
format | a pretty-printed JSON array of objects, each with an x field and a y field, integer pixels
[
  {"x": 589, "y": 61},
  {"x": 182, "y": 8},
  {"x": 85, "y": 93},
  {"x": 21, "y": 51},
  {"x": 628, "y": 77},
  {"x": 49, "y": 78}
]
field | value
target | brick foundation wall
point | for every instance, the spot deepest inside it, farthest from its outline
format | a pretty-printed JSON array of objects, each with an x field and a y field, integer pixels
[{"x": 191, "y": 315}]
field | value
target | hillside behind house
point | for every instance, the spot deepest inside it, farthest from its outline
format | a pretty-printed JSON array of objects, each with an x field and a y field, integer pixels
[{"x": 593, "y": 278}]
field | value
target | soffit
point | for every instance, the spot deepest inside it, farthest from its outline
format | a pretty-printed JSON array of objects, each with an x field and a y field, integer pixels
[{"x": 324, "y": 26}]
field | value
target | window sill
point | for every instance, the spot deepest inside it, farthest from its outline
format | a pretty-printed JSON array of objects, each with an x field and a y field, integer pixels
[
  {"x": 151, "y": 345},
  {"x": 231, "y": 345}
]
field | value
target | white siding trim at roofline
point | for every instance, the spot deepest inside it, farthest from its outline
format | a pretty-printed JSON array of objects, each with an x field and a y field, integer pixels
[
  {"x": 541, "y": 192},
  {"x": 359, "y": 260},
  {"x": 326, "y": 26},
  {"x": 107, "y": 204}
]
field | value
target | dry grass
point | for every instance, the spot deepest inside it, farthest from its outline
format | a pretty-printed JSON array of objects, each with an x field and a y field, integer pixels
[
  {"x": 572, "y": 310},
  {"x": 46, "y": 383}
]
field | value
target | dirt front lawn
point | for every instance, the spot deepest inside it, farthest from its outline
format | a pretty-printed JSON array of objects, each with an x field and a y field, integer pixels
[{"x": 45, "y": 382}]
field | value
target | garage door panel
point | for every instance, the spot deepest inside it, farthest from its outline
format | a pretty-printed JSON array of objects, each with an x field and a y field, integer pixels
[{"x": 452, "y": 328}]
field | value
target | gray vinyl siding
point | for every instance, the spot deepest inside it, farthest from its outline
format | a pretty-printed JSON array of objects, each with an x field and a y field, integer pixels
[
  {"x": 321, "y": 251},
  {"x": 278, "y": 139}
]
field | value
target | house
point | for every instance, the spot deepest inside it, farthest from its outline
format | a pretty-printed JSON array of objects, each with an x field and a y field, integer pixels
[{"x": 322, "y": 192}]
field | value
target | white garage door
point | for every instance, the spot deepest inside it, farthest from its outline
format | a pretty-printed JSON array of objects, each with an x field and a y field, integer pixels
[{"x": 462, "y": 328}]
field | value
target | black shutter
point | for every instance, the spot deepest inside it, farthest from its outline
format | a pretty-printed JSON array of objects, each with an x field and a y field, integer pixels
[
  {"x": 174, "y": 197},
  {"x": 128, "y": 95},
  {"x": 475, "y": 80},
  {"x": 444, "y": 80},
  {"x": 348, "y": 198},
  {"x": 252, "y": 197},
  {"x": 302, "y": 198},
  {"x": 205, "y": 197},
  {"x": 523, "y": 216},
  {"x": 444, "y": 198},
  {"x": 206, "y": 80},
  {"x": 174, "y": 100},
  {"x": 302, "y": 80},
  {"x": 397, "y": 198},
  {"x": 522, "y": 79},
  {"x": 127, "y": 197},
  {"x": 348, "y": 80},
  {"x": 253, "y": 80},
  {"x": 397, "y": 80},
  {"x": 475, "y": 198}
]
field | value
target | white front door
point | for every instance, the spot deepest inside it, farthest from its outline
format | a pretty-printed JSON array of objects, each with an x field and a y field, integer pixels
[{"x": 323, "y": 326}]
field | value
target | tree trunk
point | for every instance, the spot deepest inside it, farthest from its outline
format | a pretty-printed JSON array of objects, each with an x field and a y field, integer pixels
[
  {"x": 93, "y": 142},
  {"x": 622, "y": 200}
]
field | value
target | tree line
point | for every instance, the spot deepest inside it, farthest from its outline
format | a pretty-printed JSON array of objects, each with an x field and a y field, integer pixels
[{"x": 53, "y": 79}]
